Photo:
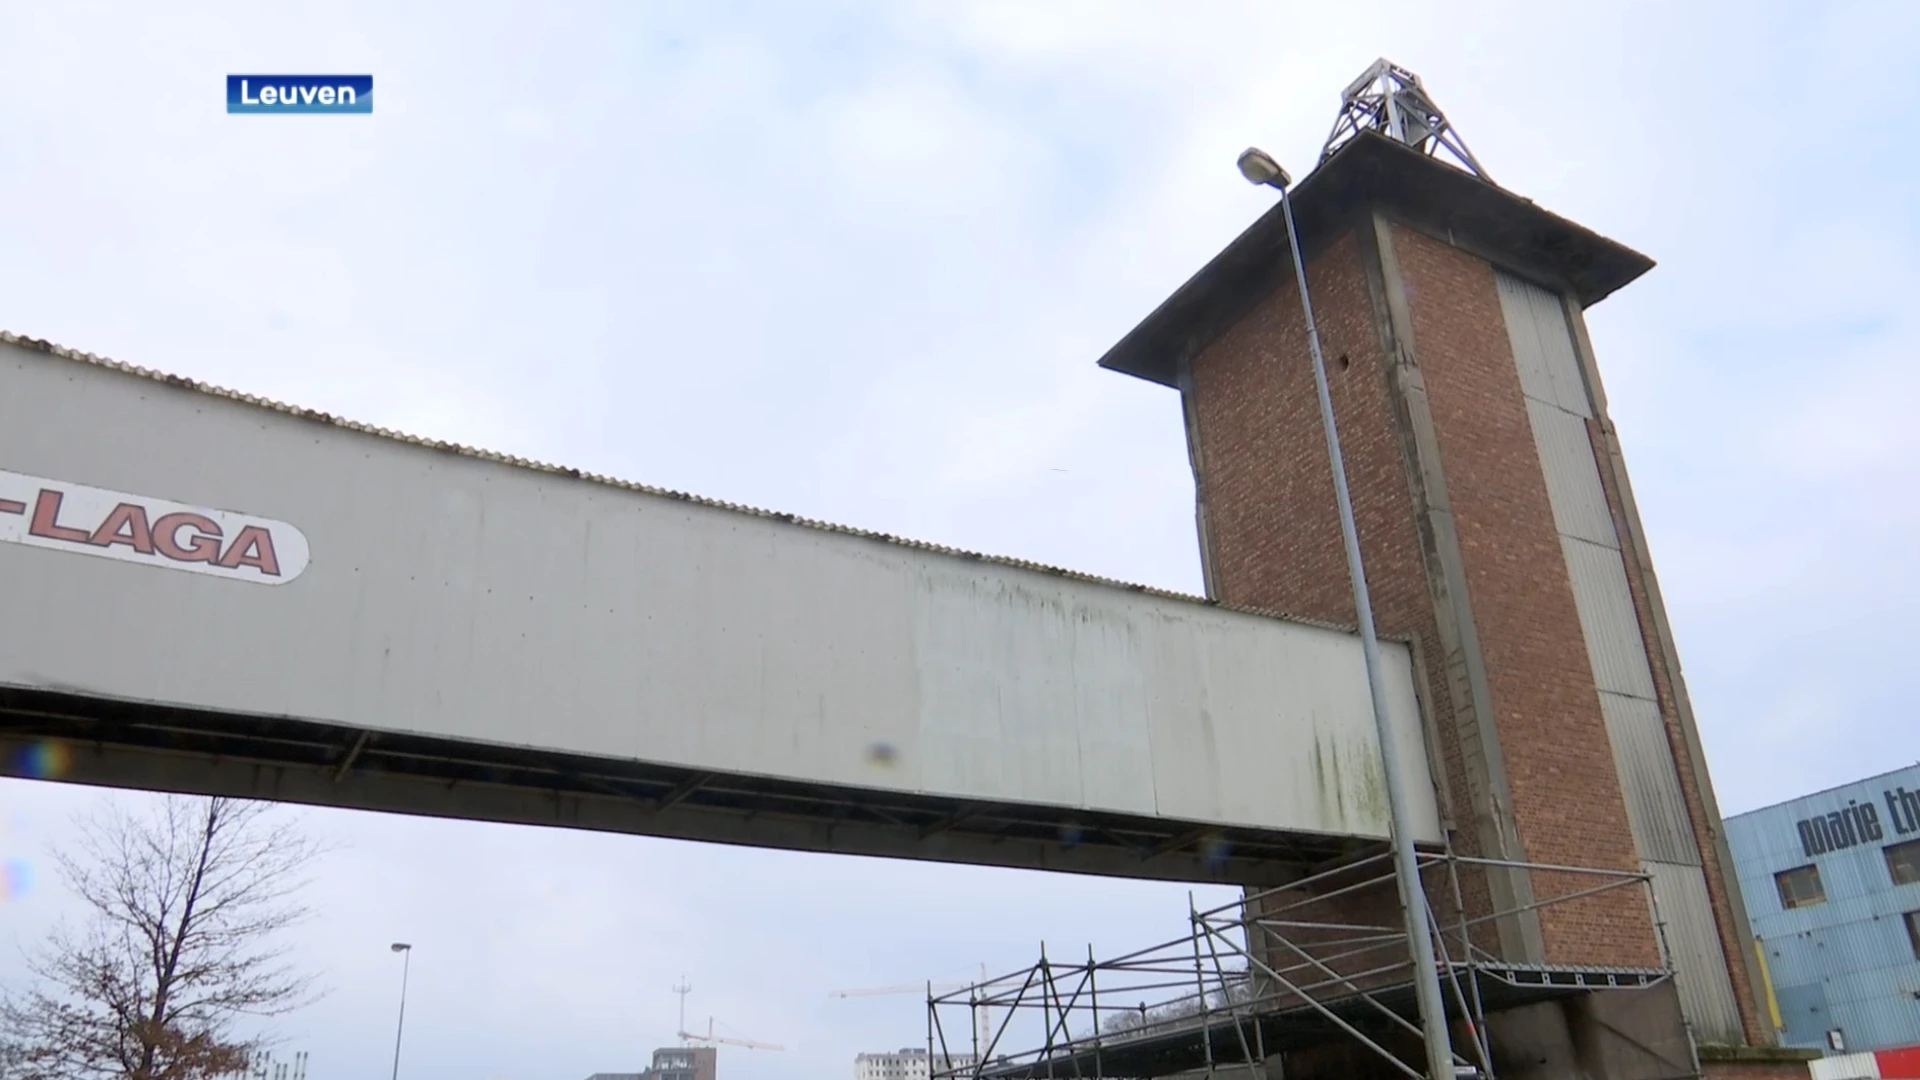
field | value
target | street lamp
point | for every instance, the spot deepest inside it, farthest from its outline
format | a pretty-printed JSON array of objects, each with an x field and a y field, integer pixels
[
  {"x": 406, "y": 963},
  {"x": 1260, "y": 168}
]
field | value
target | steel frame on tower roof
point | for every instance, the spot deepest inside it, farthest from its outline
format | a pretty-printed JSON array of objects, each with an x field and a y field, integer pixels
[
  {"x": 1389, "y": 99},
  {"x": 1279, "y": 969}
]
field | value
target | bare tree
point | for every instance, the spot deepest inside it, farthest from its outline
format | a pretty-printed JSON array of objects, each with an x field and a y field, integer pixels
[{"x": 184, "y": 907}]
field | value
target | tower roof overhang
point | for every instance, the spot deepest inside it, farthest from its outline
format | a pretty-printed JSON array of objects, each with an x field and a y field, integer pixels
[{"x": 1374, "y": 172}]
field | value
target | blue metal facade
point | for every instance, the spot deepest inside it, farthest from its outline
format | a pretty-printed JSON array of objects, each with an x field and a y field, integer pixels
[{"x": 1847, "y": 962}]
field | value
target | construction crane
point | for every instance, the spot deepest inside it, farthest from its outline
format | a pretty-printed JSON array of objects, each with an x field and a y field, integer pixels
[
  {"x": 746, "y": 1044},
  {"x": 984, "y": 1025},
  {"x": 687, "y": 1037}
]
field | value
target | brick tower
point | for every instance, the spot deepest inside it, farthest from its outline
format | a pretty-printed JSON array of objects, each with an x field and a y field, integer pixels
[{"x": 1501, "y": 538}]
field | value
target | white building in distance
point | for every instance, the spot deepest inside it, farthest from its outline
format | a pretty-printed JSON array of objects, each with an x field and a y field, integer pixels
[{"x": 909, "y": 1063}]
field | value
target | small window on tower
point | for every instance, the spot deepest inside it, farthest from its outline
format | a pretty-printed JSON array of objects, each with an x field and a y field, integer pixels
[
  {"x": 1903, "y": 862},
  {"x": 1800, "y": 887}
]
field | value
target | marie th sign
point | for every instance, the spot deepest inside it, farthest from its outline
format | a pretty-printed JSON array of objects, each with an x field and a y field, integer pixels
[{"x": 81, "y": 520}]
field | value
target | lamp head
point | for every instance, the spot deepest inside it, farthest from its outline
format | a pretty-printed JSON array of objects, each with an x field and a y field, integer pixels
[
  {"x": 1259, "y": 167},
  {"x": 401, "y": 946}
]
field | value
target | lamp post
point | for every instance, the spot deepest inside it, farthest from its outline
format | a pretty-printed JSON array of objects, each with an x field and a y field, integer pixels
[
  {"x": 1260, "y": 168},
  {"x": 406, "y": 963}
]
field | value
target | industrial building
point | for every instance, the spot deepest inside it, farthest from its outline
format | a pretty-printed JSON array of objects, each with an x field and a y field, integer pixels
[
  {"x": 1832, "y": 882},
  {"x": 1502, "y": 541}
]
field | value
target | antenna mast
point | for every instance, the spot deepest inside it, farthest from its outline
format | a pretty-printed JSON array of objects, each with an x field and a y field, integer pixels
[{"x": 683, "y": 990}]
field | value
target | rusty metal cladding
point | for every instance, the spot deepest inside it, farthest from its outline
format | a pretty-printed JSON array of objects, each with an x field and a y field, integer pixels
[
  {"x": 1700, "y": 966},
  {"x": 1605, "y": 606},
  {"x": 1656, "y": 806},
  {"x": 1573, "y": 477}
]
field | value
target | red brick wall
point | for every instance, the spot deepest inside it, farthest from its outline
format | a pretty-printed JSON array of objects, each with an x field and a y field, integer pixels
[
  {"x": 1566, "y": 795},
  {"x": 1268, "y": 489},
  {"x": 1276, "y": 536},
  {"x": 1275, "y": 543}
]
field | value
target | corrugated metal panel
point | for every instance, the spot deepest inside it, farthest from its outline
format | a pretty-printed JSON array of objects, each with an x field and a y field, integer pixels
[
  {"x": 1866, "y": 974},
  {"x": 1876, "y": 953},
  {"x": 1845, "y": 1067},
  {"x": 1797, "y": 958},
  {"x": 468, "y": 599},
  {"x": 1605, "y": 605},
  {"x": 1767, "y": 833},
  {"x": 1876, "y": 1013},
  {"x": 1854, "y": 878},
  {"x": 1700, "y": 966},
  {"x": 1871, "y": 977},
  {"x": 1655, "y": 805},
  {"x": 1803, "y": 1009},
  {"x": 1573, "y": 479},
  {"x": 1516, "y": 304},
  {"x": 1542, "y": 345},
  {"x": 1763, "y": 841}
]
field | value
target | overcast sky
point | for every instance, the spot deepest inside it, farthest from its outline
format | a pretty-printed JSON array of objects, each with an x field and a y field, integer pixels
[{"x": 856, "y": 261}]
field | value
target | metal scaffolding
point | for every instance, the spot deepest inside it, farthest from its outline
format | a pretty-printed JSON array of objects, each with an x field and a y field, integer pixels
[{"x": 1283, "y": 969}]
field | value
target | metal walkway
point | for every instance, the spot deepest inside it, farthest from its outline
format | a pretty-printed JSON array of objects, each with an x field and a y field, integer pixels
[
  {"x": 1241, "y": 1037},
  {"x": 1284, "y": 969}
]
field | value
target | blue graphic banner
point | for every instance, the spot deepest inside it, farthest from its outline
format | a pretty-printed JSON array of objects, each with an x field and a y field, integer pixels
[{"x": 299, "y": 93}]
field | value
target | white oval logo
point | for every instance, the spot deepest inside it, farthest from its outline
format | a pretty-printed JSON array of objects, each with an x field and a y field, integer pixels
[{"x": 136, "y": 528}]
